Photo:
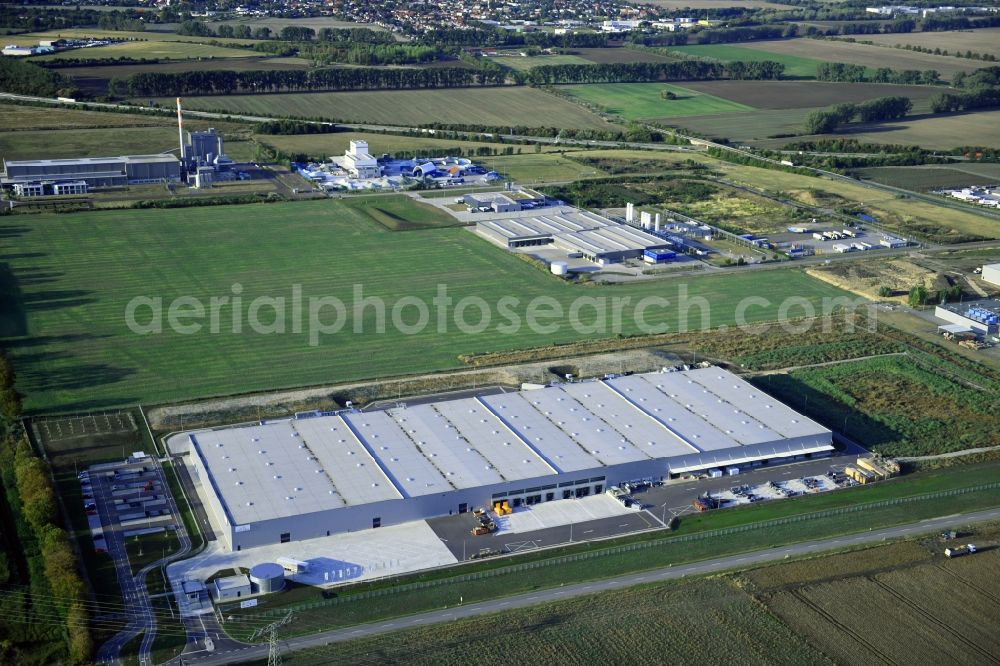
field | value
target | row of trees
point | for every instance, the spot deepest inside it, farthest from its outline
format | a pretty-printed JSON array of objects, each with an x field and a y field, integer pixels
[
  {"x": 843, "y": 72},
  {"x": 981, "y": 90},
  {"x": 372, "y": 54},
  {"x": 25, "y": 78},
  {"x": 728, "y": 35},
  {"x": 224, "y": 82},
  {"x": 61, "y": 597},
  {"x": 685, "y": 70},
  {"x": 883, "y": 108}
]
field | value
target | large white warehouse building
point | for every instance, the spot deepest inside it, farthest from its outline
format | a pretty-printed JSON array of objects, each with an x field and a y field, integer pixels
[{"x": 309, "y": 477}]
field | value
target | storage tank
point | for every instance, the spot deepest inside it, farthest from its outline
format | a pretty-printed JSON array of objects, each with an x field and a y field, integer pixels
[
  {"x": 559, "y": 268},
  {"x": 268, "y": 577}
]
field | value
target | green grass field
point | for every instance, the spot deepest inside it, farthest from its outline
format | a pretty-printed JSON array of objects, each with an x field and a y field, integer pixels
[
  {"x": 400, "y": 212},
  {"x": 68, "y": 279},
  {"x": 930, "y": 178},
  {"x": 479, "y": 106},
  {"x": 795, "y": 65},
  {"x": 55, "y": 133},
  {"x": 539, "y": 168},
  {"x": 151, "y": 49},
  {"x": 151, "y": 36},
  {"x": 643, "y": 101},
  {"x": 522, "y": 64}
]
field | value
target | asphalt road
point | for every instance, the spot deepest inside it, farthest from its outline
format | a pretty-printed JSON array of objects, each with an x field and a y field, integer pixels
[{"x": 739, "y": 561}]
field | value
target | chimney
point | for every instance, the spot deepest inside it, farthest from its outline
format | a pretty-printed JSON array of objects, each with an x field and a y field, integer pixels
[{"x": 180, "y": 128}]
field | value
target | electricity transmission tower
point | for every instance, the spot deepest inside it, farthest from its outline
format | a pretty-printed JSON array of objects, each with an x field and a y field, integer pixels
[{"x": 273, "y": 655}]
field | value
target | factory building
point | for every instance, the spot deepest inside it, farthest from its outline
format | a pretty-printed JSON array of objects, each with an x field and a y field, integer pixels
[
  {"x": 991, "y": 274},
  {"x": 580, "y": 233},
  {"x": 981, "y": 317},
  {"x": 289, "y": 480},
  {"x": 94, "y": 172},
  {"x": 205, "y": 150},
  {"x": 359, "y": 163}
]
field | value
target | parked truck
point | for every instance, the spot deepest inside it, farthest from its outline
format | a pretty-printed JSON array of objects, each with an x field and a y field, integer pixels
[{"x": 959, "y": 551}]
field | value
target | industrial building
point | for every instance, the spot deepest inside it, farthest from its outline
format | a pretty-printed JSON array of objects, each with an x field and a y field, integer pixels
[
  {"x": 317, "y": 475},
  {"x": 991, "y": 274},
  {"x": 979, "y": 317},
  {"x": 498, "y": 202},
  {"x": 41, "y": 177},
  {"x": 580, "y": 233},
  {"x": 359, "y": 163}
]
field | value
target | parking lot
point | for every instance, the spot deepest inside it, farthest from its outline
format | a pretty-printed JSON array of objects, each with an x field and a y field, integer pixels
[{"x": 654, "y": 507}]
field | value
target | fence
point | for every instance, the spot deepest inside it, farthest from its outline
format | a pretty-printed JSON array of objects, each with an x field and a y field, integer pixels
[{"x": 618, "y": 550}]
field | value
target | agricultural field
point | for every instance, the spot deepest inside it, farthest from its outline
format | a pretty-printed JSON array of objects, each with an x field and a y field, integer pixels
[
  {"x": 797, "y": 65},
  {"x": 644, "y": 101},
  {"x": 317, "y": 23},
  {"x": 933, "y": 132},
  {"x": 927, "y": 178},
  {"x": 827, "y": 50},
  {"x": 533, "y": 168},
  {"x": 398, "y": 145},
  {"x": 806, "y": 94},
  {"x": 149, "y": 36},
  {"x": 712, "y": 619},
  {"x": 523, "y": 64},
  {"x": 620, "y": 54},
  {"x": 69, "y": 278},
  {"x": 57, "y": 133},
  {"x": 479, "y": 106},
  {"x": 940, "y": 611},
  {"x": 782, "y": 106},
  {"x": 94, "y": 79},
  {"x": 151, "y": 50},
  {"x": 984, "y": 40},
  {"x": 899, "y": 405}
]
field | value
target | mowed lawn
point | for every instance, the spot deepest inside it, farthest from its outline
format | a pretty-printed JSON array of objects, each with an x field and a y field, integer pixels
[
  {"x": 500, "y": 107},
  {"x": 795, "y": 65},
  {"x": 635, "y": 101},
  {"x": 68, "y": 279}
]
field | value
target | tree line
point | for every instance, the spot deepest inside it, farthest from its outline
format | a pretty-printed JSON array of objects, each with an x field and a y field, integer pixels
[
  {"x": 685, "y": 70},
  {"x": 747, "y": 33},
  {"x": 25, "y": 78},
  {"x": 55, "y": 597},
  {"x": 225, "y": 82},
  {"x": 843, "y": 72},
  {"x": 373, "y": 54},
  {"x": 981, "y": 90},
  {"x": 883, "y": 108}
]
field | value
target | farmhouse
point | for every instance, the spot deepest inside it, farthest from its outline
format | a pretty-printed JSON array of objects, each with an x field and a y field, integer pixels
[{"x": 316, "y": 475}]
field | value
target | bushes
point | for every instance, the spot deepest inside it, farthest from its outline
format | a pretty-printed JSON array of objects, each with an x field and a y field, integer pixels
[
  {"x": 29, "y": 486},
  {"x": 25, "y": 78}
]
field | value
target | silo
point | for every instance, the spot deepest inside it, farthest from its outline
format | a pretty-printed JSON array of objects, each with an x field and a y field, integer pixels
[{"x": 268, "y": 577}]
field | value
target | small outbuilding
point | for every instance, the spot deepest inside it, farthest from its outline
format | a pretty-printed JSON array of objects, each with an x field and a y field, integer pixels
[{"x": 232, "y": 587}]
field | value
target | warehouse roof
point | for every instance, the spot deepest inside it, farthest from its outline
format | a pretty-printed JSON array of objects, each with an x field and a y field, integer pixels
[{"x": 697, "y": 417}]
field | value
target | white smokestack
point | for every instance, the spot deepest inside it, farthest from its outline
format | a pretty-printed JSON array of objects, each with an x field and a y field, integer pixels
[{"x": 180, "y": 127}]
